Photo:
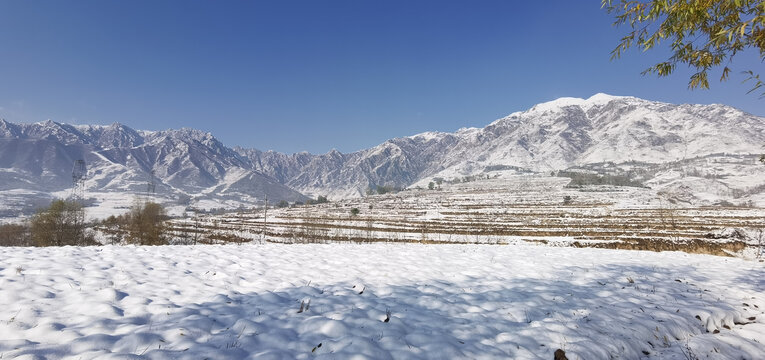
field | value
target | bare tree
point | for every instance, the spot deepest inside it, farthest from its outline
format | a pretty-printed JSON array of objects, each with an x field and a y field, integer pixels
[
  {"x": 60, "y": 224},
  {"x": 146, "y": 224}
]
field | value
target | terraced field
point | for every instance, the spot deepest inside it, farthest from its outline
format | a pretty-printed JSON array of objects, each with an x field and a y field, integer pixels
[{"x": 521, "y": 209}]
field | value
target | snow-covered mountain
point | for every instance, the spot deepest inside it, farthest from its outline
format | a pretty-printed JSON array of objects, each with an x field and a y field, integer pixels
[
  {"x": 186, "y": 164},
  {"x": 550, "y": 136},
  {"x": 193, "y": 165}
]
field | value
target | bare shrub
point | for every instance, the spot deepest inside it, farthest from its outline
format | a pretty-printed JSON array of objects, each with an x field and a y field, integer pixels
[
  {"x": 14, "y": 235},
  {"x": 143, "y": 225},
  {"x": 62, "y": 223},
  {"x": 146, "y": 224}
]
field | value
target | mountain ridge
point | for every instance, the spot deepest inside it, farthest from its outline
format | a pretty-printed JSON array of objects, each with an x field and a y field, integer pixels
[{"x": 550, "y": 136}]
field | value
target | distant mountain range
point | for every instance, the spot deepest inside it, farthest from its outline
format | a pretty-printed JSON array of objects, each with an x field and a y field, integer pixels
[
  {"x": 550, "y": 136},
  {"x": 193, "y": 165}
]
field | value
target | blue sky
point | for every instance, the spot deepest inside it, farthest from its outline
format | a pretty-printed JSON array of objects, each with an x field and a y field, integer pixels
[{"x": 316, "y": 75}]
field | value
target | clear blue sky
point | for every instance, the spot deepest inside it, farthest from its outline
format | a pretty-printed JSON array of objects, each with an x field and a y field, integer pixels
[{"x": 316, "y": 75}]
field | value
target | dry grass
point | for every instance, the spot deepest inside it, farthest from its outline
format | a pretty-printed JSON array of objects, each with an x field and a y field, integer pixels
[
  {"x": 496, "y": 215},
  {"x": 693, "y": 246}
]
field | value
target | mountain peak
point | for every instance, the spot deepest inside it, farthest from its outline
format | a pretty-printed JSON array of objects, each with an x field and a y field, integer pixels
[
  {"x": 605, "y": 98},
  {"x": 8, "y": 129},
  {"x": 428, "y": 135},
  {"x": 594, "y": 100},
  {"x": 555, "y": 135}
]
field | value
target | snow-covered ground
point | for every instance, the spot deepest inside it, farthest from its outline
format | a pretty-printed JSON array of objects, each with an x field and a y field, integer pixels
[
  {"x": 445, "y": 301},
  {"x": 512, "y": 210}
]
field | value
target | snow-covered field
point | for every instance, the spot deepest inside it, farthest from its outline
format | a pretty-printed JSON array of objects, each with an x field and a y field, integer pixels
[
  {"x": 511, "y": 210},
  {"x": 402, "y": 301}
]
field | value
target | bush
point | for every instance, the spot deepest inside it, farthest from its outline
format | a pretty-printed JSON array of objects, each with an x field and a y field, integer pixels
[
  {"x": 113, "y": 229},
  {"x": 14, "y": 235},
  {"x": 579, "y": 179},
  {"x": 355, "y": 211},
  {"x": 382, "y": 190},
  {"x": 143, "y": 225},
  {"x": 146, "y": 224},
  {"x": 62, "y": 223},
  {"x": 319, "y": 200}
]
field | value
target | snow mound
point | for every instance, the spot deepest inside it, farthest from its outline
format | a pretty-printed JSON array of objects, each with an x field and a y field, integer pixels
[{"x": 376, "y": 302}]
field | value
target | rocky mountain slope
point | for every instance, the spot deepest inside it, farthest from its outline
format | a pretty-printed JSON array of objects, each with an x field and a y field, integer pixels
[
  {"x": 550, "y": 136},
  {"x": 192, "y": 166},
  {"x": 183, "y": 164}
]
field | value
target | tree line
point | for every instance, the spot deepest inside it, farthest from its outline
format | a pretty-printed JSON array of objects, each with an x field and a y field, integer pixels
[{"x": 63, "y": 223}]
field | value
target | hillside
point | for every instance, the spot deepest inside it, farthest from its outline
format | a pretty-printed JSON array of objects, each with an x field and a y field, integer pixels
[{"x": 192, "y": 168}]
